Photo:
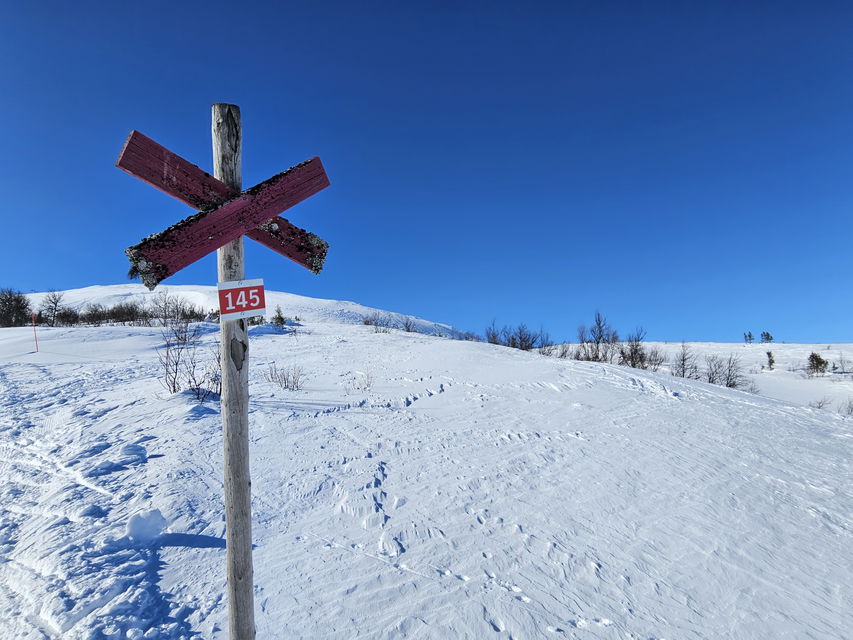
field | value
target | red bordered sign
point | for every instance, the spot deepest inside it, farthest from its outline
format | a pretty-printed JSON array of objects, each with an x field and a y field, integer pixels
[{"x": 241, "y": 299}]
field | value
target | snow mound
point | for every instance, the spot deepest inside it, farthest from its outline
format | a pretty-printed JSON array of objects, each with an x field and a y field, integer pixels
[{"x": 145, "y": 527}]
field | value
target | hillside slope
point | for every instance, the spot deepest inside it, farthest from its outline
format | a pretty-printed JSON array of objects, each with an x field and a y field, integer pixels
[{"x": 415, "y": 487}]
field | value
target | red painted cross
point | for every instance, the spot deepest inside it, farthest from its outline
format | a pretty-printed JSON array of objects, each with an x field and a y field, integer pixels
[{"x": 224, "y": 214}]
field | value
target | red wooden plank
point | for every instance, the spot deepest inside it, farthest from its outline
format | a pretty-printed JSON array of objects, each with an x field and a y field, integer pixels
[
  {"x": 163, "y": 254},
  {"x": 301, "y": 246},
  {"x": 143, "y": 158},
  {"x": 153, "y": 163}
]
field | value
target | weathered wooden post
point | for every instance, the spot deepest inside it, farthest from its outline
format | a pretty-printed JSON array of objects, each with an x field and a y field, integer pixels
[
  {"x": 226, "y": 215},
  {"x": 234, "y": 354}
]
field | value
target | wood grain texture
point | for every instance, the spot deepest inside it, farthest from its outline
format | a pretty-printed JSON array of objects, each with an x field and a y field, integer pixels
[
  {"x": 149, "y": 161},
  {"x": 163, "y": 254},
  {"x": 143, "y": 158},
  {"x": 234, "y": 356}
]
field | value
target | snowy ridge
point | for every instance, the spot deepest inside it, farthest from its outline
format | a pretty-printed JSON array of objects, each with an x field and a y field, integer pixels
[
  {"x": 205, "y": 297},
  {"x": 415, "y": 488}
]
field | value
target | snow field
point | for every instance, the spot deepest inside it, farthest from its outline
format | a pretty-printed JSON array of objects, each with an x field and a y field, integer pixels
[{"x": 417, "y": 487}]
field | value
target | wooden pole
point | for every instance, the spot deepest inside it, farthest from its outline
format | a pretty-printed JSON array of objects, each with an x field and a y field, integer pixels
[
  {"x": 234, "y": 354},
  {"x": 35, "y": 335}
]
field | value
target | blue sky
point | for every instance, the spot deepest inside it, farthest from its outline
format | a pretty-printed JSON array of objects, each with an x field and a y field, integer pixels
[{"x": 688, "y": 169}]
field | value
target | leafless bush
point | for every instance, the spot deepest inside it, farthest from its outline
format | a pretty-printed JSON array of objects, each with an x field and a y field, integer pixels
[
  {"x": 202, "y": 379},
  {"x": 94, "y": 314},
  {"x": 632, "y": 353},
  {"x": 50, "y": 306},
  {"x": 380, "y": 322},
  {"x": 684, "y": 363},
  {"x": 655, "y": 358},
  {"x": 597, "y": 343},
  {"x": 822, "y": 403},
  {"x": 180, "y": 365},
  {"x": 179, "y": 343},
  {"x": 715, "y": 368},
  {"x": 290, "y": 378},
  {"x": 408, "y": 325},
  {"x": 519, "y": 337},
  {"x": 167, "y": 309},
  {"x": 67, "y": 317},
  {"x": 493, "y": 334},
  {"x": 733, "y": 377},
  {"x": 846, "y": 409}
]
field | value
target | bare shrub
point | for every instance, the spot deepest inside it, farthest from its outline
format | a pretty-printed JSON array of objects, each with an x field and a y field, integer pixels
[
  {"x": 180, "y": 340},
  {"x": 180, "y": 365},
  {"x": 519, "y": 338},
  {"x": 714, "y": 369},
  {"x": 565, "y": 351},
  {"x": 655, "y": 358},
  {"x": 380, "y": 322},
  {"x": 289, "y": 378},
  {"x": 632, "y": 353},
  {"x": 408, "y": 325},
  {"x": 167, "y": 308},
  {"x": 67, "y": 317},
  {"x": 684, "y": 363},
  {"x": 733, "y": 377},
  {"x": 493, "y": 334},
  {"x": 202, "y": 379},
  {"x": 131, "y": 312},
  {"x": 50, "y": 306},
  {"x": 846, "y": 409},
  {"x": 94, "y": 314},
  {"x": 843, "y": 364},
  {"x": 822, "y": 403},
  {"x": 597, "y": 343}
]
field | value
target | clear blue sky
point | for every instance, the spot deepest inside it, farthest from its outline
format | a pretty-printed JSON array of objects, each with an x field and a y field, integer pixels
[{"x": 684, "y": 168}]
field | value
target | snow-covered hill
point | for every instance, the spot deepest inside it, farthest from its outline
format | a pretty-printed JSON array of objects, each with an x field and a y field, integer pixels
[{"x": 416, "y": 487}]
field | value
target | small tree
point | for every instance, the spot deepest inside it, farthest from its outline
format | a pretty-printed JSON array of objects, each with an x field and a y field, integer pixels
[
  {"x": 15, "y": 309},
  {"x": 278, "y": 318},
  {"x": 684, "y": 363},
  {"x": 632, "y": 353},
  {"x": 766, "y": 337},
  {"x": 816, "y": 364},
  {"x": 94, "y": 314},
  {"x": 50, "y": 306},
  {"x": 733, "y": 377},
  {"x": 771, "y": 361},
  {"x": 67, "y": 317},
  {"x": 714, "y": 369},
  {"x": 655, "y": 358},
  {"x": 493, "y": 334},
  {"x": 598, "y": 342},
  {"x": 747, "y": 337}
]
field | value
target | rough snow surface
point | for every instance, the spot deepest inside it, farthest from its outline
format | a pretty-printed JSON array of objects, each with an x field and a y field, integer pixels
[{"x": 418, "y": 487}]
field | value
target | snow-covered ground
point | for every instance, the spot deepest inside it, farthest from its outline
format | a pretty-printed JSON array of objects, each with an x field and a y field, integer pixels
[{"x": 420, "y": 487}]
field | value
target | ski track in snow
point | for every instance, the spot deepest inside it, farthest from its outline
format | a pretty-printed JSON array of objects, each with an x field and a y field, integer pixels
[{"x": 418, "y": 488}]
